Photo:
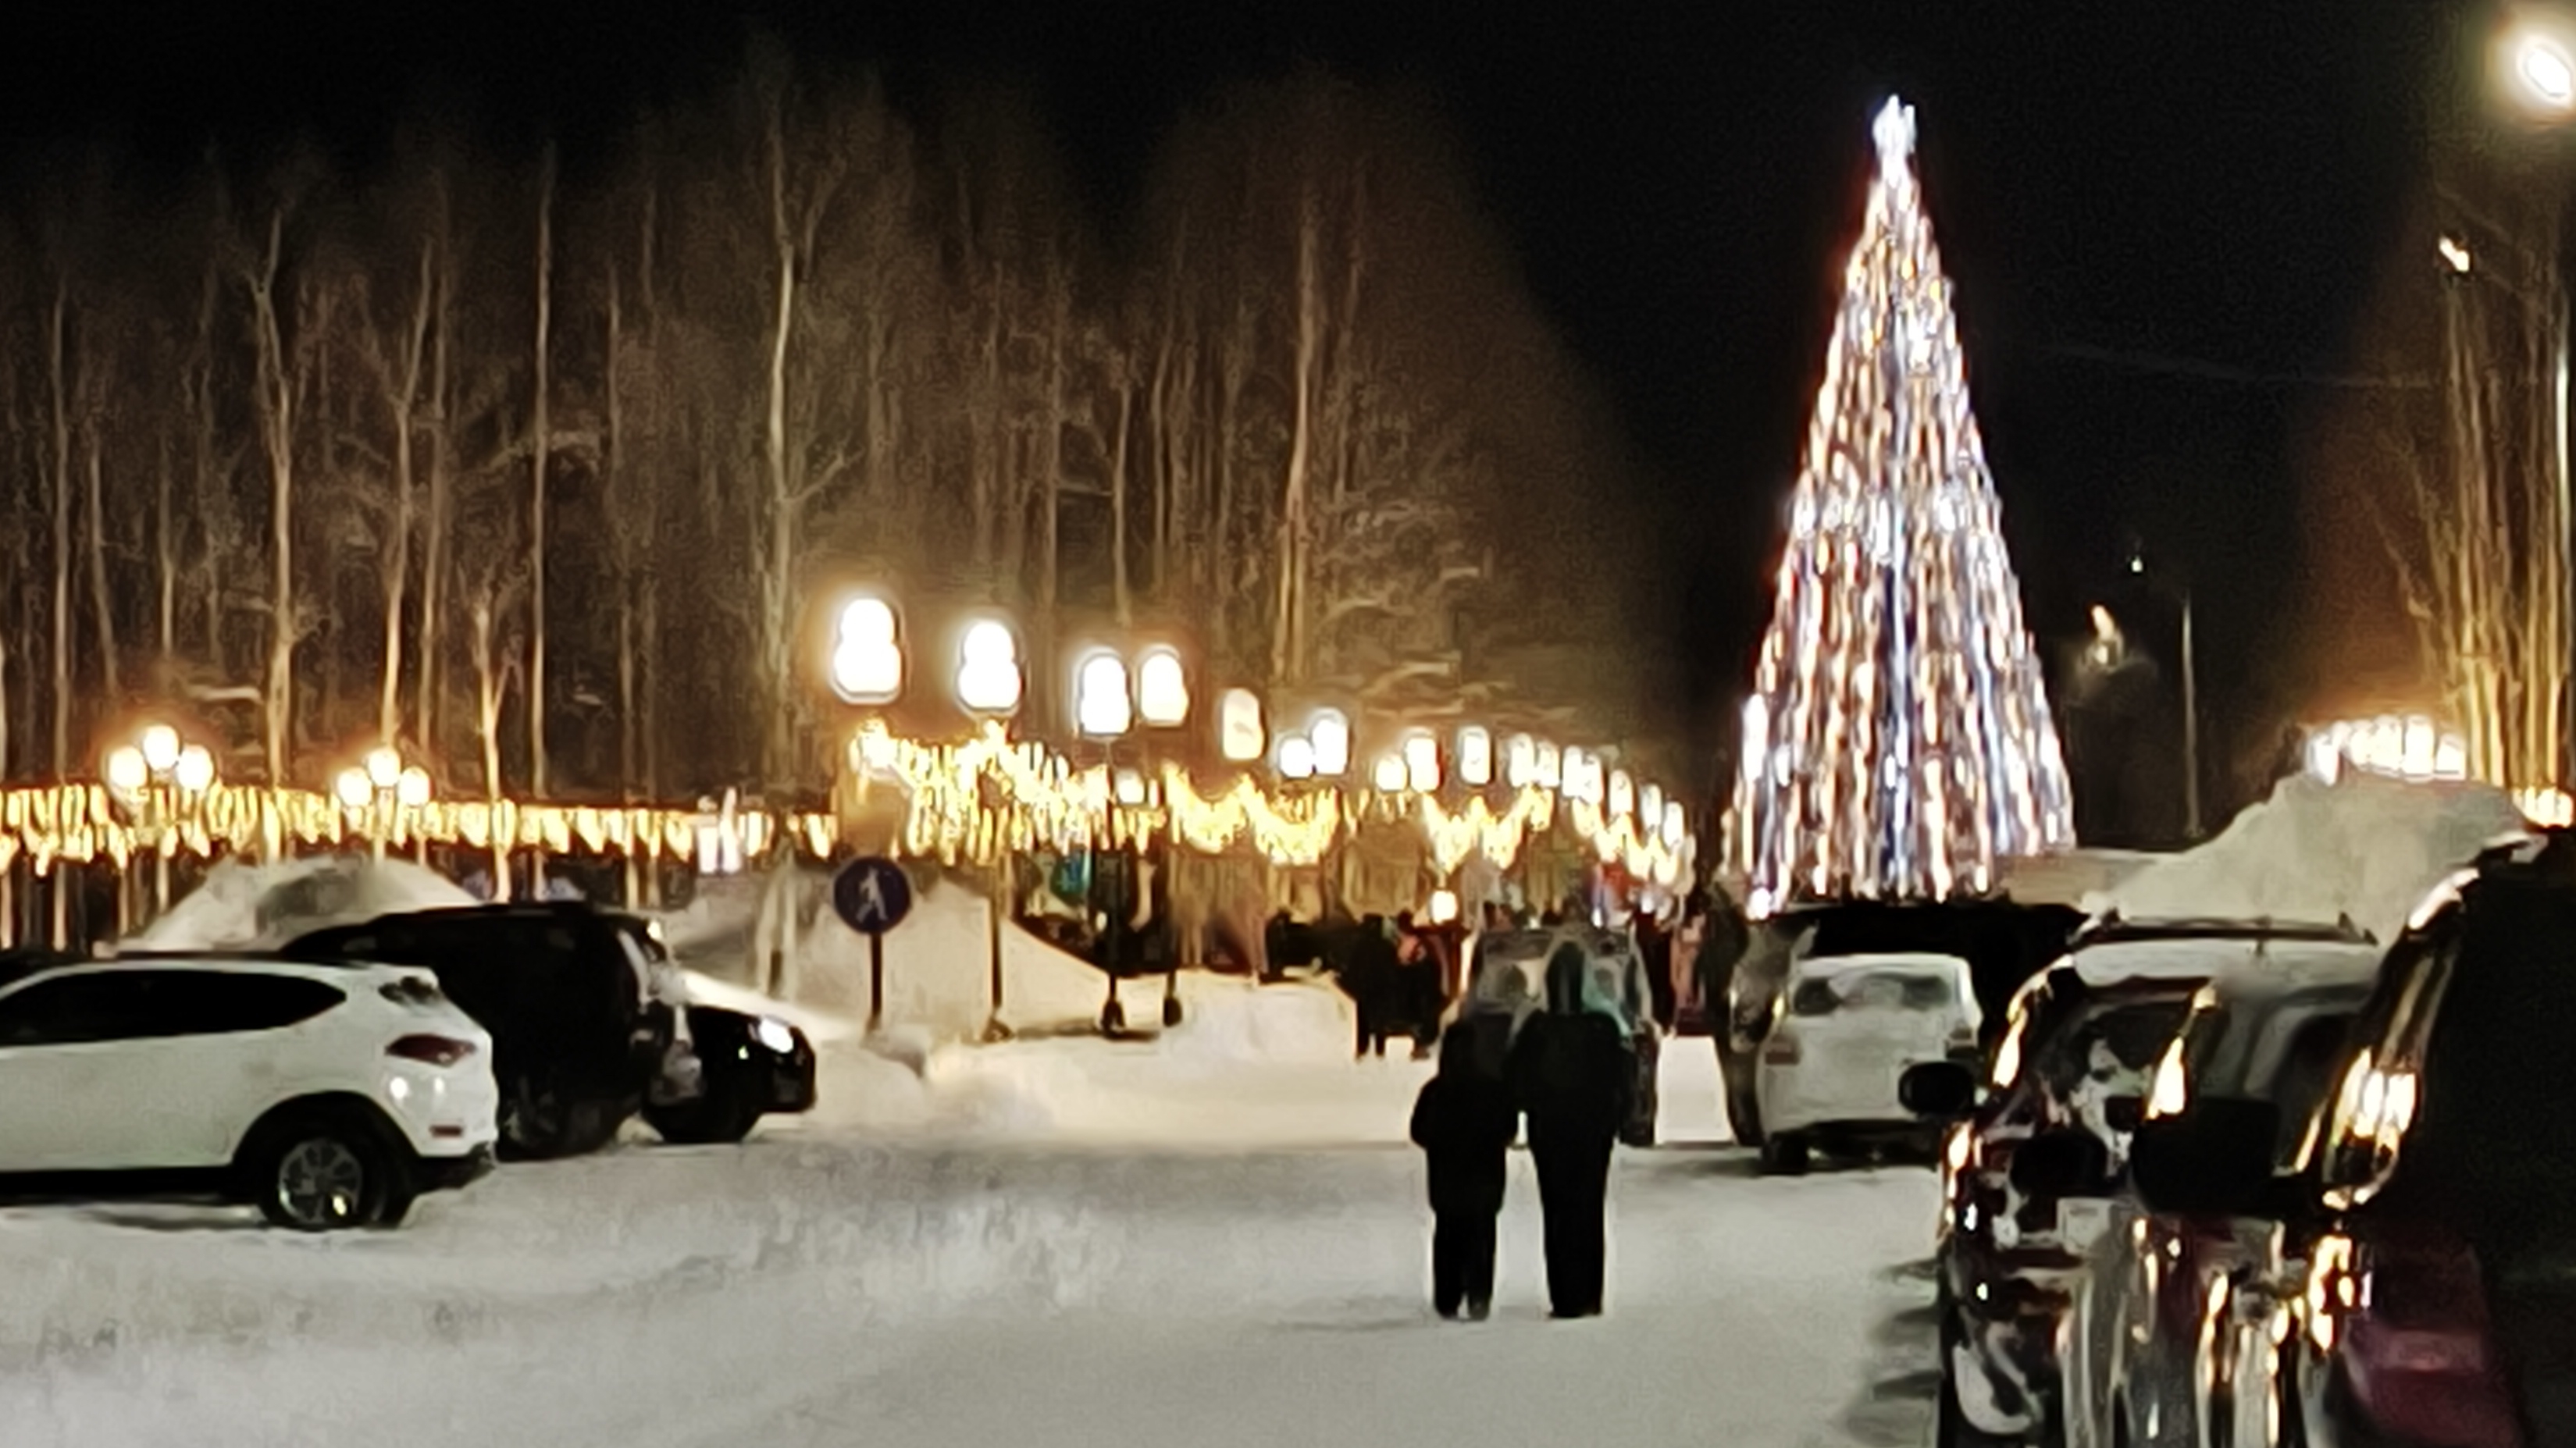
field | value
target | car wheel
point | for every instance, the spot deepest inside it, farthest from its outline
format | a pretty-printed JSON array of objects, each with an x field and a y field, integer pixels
[
  {"x": 719, "y": 1117},
  {"x": 543, "y": 1119},
  {"x": 325, "y": 1173},
  {"x": 1785, "y": 1154}
]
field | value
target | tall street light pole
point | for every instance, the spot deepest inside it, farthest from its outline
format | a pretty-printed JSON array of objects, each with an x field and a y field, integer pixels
[{"x": 2190, "y": 700}]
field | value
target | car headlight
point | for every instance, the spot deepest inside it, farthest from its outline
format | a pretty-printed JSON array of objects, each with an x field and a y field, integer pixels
[{"x": 775, "y": 1034}]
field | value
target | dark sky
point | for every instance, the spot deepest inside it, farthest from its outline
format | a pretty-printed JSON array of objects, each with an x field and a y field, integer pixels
[{"x": 2118, "y": 185}]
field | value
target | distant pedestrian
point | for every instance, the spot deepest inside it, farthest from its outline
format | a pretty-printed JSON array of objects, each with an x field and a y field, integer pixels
[
  {"x": 1572, "y": 1073},
  {"x": 1464, "y": 1123}
]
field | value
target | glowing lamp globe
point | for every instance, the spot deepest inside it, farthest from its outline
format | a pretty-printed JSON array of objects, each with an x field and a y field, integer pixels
[
  {"x": 195, "y": 769},
  {"x": 127, "y": 772},
  {"x": 1100, "y": 707},
  {"x": 867, "y": 658},
  {"x": 1296, "y": 757},
  {"x": 160, "y": 748},
  {"x": 1389, "y": 775},
  {"x": 1422, "y": 763},
  {"x": 1520, "y": 761},
  {"x": 352, "y": 788},
  {"x": 384, "y": 768},
  {"x": 1162, "y": 689},
  {"x": 412, "y": 789},
  {"x": 988, "y": 668},
  {"x": 1547, "y": 770},
  {"x": 1239, "y": 730},
  {"x": 1623, "y": 794},
  {"x": 1330, "y": 733},
  {"x": 1475, "y": 756}
]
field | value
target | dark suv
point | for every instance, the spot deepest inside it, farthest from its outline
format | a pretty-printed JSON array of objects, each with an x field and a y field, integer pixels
[
  {"x": 2423, "y": 1281},
  {"x": 589, "y": 1022}
]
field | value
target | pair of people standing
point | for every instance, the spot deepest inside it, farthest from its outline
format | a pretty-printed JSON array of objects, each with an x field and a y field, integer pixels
[{"x": 1568, "y": 1068}]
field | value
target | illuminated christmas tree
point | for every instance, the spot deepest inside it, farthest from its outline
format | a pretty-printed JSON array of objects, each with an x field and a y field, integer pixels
[{"x": 1898, "y": 742}]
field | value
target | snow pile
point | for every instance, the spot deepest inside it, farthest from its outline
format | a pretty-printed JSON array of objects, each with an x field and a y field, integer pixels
[
  {"x": 2366, "y": 847},
  {"x": 820, "y": 1027},
  {"x": 938, "y": 963},
  {"x": 261, "y": 907}
]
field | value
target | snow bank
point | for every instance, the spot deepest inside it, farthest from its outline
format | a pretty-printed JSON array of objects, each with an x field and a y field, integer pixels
[
  {"x": 938, "y": 963},
  {"x": 2366, "y": 847},
  {"x": 260, "y": 907},
  {"x": 820, "y": 1027}
]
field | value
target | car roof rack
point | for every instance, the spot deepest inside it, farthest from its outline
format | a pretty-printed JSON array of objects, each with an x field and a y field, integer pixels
[{"x": 2111, "y": 926}]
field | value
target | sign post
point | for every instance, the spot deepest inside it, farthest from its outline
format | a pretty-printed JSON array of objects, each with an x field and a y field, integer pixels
[{"x": 872, "y": 895}]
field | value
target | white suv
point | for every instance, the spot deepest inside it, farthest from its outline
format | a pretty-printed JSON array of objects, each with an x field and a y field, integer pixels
[{"x": 330, "y": 1095}]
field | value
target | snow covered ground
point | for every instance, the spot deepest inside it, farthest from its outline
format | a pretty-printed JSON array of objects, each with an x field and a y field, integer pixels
[{"x": 1215, "y": 1237}]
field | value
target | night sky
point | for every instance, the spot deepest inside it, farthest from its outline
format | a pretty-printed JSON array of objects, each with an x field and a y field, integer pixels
[{"x": 2159, "y": 216}]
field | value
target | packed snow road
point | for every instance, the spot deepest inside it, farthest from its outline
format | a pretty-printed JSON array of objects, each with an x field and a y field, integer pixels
[{"x": 993, "y": 1275}]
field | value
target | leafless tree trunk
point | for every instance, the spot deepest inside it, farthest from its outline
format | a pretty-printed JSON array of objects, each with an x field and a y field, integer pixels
[
  {"x": 399, "y": 378},
  {"x": 493, "y": 590},
  {"x": 62, "y": 499},
  {"x": 165, "y": 558},
  {"x": 441, "y": 290},
  {"x": 102, "y": 597},
  {"x": 1287, "y": 639},
  {"x": 1123, "y": 379},
  {"x": 541, "y": 447},
  {"x": 277, "y": 397}
]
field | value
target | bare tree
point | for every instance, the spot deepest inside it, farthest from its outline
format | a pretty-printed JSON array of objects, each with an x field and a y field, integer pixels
[{"x": 540, "y": 453}]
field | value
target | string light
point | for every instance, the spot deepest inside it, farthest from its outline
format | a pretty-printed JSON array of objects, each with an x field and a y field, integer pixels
[{"x": 1899, "y": 740}]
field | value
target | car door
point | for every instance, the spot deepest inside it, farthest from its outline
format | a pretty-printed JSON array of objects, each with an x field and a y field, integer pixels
[{"x": 53, "y": 1032}]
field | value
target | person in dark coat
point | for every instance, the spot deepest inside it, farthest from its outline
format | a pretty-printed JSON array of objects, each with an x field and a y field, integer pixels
[
  {"x": 1464, "y": 1123},
  {"x": 1571, "y": 1072},
  {"x": 1371, "y": 977}
]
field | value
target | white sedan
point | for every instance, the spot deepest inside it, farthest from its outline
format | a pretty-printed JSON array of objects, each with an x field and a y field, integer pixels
[
  {"x": 328, "y": 1095},
  {"x": 1829, "y": 1069}
]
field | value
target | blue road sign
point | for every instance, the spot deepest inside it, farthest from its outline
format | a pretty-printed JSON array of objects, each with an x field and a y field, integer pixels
[{"x": 872, "y": 895}]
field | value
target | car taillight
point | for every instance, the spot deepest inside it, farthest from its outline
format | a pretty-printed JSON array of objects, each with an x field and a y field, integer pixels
[
  {"x": 434, "y": 1050},
  {"x": 2421, "y": 1351}
]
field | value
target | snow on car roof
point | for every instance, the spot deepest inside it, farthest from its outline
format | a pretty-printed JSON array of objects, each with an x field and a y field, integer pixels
[
  {"x": 2201, "y": 957},
  {"x": 1819, "y": 967},
  {"x": 2290, "y": 967},
  {"x": 333, "y": 972}
]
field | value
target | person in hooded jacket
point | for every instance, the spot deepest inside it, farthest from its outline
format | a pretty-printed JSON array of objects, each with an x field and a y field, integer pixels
[
  {"x": 1571, "y": 1072},
  {"x": 1464, "y": 1123}
]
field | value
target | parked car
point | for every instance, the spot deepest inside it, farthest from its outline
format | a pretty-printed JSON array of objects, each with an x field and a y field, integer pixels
[
  {"x": 329, "y": 1096},
  {"x": 586, "y": 1029},
  {"x": 2004, "y": 943},
  {"x": 2029, "y": 1181},
  {"x": 2424, "y": 1284},
  {"x": 750, "y": 1064},
  {"x": 1508, "y": 976},
  {"x": 1829, "y": 1070},
  {"x": 2154, "y": 1360}
]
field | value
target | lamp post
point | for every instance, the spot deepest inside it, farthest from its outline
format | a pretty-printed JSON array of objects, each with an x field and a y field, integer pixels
[
  {"x": 379, "y": 791},
  {"x": 989, "y": 686},
  {"x": 2179, "y": 589},
  {"x": 144, "y": 776}
]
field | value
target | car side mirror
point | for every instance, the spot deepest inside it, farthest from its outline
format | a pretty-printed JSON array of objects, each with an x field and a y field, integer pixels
[
  {"x": 1938, "y": 1090},
  {"x": 2061, "y": 1163},
  {"x": 2215, "y": 1158},
  {"x": 2124, "y": 1113}
]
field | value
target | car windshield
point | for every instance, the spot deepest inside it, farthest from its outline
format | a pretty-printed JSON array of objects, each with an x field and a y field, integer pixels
[
  {"x": 2279, "y": 1048},
  {"x": 2113, "y": 1042},
  {"x": 1873, "y": 990}
]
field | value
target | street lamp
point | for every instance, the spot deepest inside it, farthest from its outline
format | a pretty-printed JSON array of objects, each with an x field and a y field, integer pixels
[
  {"x": 988, "y": 669},
  {"x": 2180, "y": 591},
  {"x": 1296, "y": 759},
  {"x": 2543, "y": 71},
  {"x": 1520, "y": 761},
  {"x": 867, "y": 652},
  {"x": 379, "y": 790},
  {"x": 1240, "y": 736},
  {"x": 1162, "y": 688},
  {"x": 1422, "y": 763},
  {"x": 1329, "y": 731},
  {"x": 1100, "y": 704},
  {"x": 1389, "y": 774},
  {"x": 1475, "y": 756},
  {"x": 142, "y": 776}
]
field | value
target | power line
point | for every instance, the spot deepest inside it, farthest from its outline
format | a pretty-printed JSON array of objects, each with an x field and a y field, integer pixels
[{"x": 2239, "y": 376}]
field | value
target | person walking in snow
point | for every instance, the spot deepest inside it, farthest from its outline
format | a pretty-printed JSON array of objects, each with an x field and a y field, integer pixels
[
  {"x": 1571, "y": 1072},
  {"x": 1464, "y": 1123}
]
